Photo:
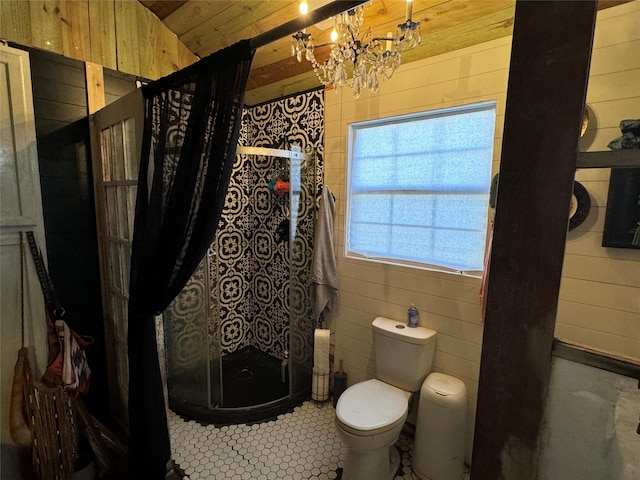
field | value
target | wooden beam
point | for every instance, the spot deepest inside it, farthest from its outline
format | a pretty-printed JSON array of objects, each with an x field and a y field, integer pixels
[
  {"x": 95, "y": 87},
  {"x": 102, "y": 34},
  {"x": 549, "y": 70}
]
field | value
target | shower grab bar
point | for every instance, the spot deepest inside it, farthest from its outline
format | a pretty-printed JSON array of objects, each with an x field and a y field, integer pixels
[{"x": 273, "y": 152}]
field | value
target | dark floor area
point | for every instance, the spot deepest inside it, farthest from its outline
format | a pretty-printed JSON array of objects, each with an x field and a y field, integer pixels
[{"x": 252, "y": 377}]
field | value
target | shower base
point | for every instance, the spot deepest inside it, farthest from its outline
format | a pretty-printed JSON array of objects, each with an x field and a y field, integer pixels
[
  {"x": 252, "y": 377},
  {"x": 252, "y": 391}
]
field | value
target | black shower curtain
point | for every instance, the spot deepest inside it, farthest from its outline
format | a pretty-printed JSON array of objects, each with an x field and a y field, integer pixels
[{"x": 192, "y": 120}]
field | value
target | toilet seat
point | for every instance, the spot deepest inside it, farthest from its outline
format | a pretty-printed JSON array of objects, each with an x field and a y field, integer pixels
[
  {"x": 372, "y": 407},
  {"x": 369, "y": 433}
]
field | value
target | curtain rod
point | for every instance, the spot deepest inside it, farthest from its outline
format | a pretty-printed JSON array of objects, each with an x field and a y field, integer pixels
[{"x": 318, "y": 15}]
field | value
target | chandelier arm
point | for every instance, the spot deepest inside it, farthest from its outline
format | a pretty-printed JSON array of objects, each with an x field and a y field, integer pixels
[
  {"x": 320, "y": 45},
  {"x": 354, "y": 37},
  {"x": 318, "y": 15}
]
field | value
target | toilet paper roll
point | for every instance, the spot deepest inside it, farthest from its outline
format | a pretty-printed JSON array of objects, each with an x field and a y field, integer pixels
[
  {"x": 320, "y": 386},
  {"x": 321, "y": 341}
]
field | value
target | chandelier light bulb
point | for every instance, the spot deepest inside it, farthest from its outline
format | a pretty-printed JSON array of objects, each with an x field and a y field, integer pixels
[
  {"x": 334, "y": 35},
  {"x": 304, "y": 7},
  {"x": 389, "y": 41}
]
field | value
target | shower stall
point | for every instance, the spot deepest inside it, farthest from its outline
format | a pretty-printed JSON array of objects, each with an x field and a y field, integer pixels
[{"x": 239, "y": 338}]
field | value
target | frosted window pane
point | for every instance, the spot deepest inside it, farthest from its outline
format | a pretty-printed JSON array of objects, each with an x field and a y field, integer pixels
[{"x": 419, "y": 187}]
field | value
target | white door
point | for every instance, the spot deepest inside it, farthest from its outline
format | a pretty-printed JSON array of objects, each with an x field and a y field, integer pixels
[
  {"x": 116, "y": 136},
  {"x": 20, "y": 210}
]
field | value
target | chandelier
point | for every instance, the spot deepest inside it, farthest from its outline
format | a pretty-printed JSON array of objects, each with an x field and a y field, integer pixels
[{"x": 371, "y": 59}]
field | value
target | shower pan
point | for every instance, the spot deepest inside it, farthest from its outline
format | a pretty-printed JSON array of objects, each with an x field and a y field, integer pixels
[{"x": 239, "y": 338}]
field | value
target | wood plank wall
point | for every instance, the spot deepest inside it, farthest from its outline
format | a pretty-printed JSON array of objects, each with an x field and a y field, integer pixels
[
  {"x": 599, "y": 304},
  {"x": 448, "y": 303},
  {"x": 117, "y": 34}
]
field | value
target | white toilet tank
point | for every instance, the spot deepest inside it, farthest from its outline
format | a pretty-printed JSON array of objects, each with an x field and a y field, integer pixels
[{"x": 403, "y": 355}]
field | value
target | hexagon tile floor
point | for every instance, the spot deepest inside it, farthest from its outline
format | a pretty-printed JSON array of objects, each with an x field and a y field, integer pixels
[{"x": 301, "y": 445}]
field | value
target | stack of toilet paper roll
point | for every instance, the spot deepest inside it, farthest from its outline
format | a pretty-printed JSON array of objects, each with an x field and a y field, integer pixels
[{"x": 321, "y": 373}]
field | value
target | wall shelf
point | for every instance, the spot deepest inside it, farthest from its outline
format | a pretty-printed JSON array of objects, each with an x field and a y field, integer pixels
[{"x": 609, "y": 159}]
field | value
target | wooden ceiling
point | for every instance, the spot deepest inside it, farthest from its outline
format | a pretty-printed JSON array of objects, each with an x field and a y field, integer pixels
[{"x": 206, "y": 26}]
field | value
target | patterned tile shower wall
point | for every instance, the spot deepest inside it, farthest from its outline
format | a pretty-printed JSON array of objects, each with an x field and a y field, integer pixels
[
  {"x": 247, "y": 270},
  {"x": 253, "y": 263}
]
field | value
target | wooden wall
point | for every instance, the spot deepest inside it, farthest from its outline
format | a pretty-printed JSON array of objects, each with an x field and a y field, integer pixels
[
  {"x": 599, "y": 304},
  {"x": 118, "y": 34},
  {"x": 448, "y": 304}
]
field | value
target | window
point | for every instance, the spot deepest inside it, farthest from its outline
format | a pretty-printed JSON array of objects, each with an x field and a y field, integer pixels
[{"x": 418, "y": 188}]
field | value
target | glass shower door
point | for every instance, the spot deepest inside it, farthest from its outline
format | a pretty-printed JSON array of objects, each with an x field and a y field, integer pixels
[
  {"x": 303, "y": 214},
  {"x": 190, "y": 324},
  {"x": 195, "y": 321}
]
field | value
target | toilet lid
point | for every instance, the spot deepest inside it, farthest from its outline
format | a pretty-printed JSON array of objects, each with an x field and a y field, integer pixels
[{"x": 371, "y": 405}]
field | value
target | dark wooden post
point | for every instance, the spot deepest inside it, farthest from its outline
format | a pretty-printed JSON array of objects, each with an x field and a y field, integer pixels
[{"x": 548, "y": 76}]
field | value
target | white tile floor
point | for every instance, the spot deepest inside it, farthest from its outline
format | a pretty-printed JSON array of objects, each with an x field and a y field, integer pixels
[{"x": 301, "y": 445}]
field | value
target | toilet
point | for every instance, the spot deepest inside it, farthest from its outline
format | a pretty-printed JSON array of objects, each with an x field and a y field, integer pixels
[{"x": 370, "y": 414}]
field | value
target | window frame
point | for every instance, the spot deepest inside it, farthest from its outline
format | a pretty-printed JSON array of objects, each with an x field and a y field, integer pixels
[{"x": 408, "y": 118}]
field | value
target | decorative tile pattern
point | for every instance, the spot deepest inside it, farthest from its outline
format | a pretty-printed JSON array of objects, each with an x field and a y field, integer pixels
[
  {"x": 259, "y": 303},
  {"x": 301, "y": 445},
  {"x": 245, "y": 294}
]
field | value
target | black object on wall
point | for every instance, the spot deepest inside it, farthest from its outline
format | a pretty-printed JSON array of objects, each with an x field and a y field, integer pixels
[{"x": 622, "y": 219}]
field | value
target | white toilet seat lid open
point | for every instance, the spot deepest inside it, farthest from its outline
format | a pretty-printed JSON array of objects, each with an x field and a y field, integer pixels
[{"x": 371, "y": 405}]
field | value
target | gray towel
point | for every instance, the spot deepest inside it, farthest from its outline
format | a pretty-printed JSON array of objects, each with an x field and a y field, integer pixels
[{"x": 324, "y": 272}]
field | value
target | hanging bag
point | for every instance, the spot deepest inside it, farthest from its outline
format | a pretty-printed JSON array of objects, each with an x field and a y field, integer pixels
[
  {"x": 48, "y": 415},
  {"x": 67, "y": 375},
  {"x": 41, "y": 416},
  {"x": 70, "y": 365}
]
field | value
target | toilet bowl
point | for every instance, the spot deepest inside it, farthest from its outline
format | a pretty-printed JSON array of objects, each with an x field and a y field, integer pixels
[
  {"x": 369, "y": 419},
  {"x": 370, "y": 414}
]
